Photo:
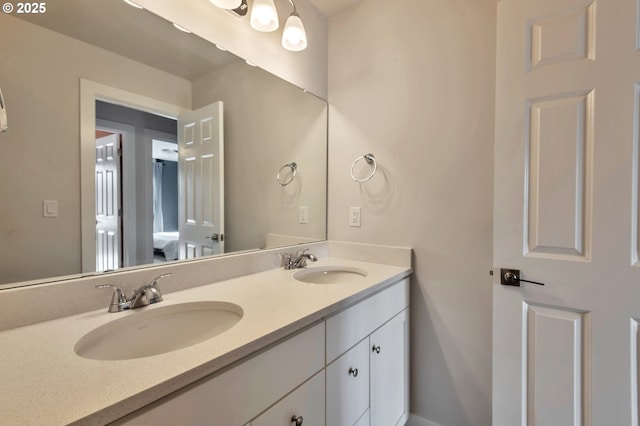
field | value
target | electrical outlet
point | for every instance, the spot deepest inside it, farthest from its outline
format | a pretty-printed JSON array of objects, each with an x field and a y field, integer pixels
[
  {"x": 303, "y": 214},
  {"x": 354, "y": 217}
]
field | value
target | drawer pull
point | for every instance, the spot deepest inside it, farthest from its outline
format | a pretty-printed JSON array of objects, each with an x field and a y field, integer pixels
[
  {"x": 353, "y": 372},
  {"x": 376, "y": 349},
  {"x": 297, "y": 420}
]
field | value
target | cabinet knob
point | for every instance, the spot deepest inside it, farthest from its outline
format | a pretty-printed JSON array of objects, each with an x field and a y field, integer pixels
[
  {"x": 353, "y": 371},
  {"x": 297, "y": 420},
  {"x": 376, "y": 349}
]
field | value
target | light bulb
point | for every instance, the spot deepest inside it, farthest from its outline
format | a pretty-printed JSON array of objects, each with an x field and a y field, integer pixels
[
  {"x": 264, "y": 16},
  {"x": 227, "y": 4},
  {"x": 294, "y": 37}
]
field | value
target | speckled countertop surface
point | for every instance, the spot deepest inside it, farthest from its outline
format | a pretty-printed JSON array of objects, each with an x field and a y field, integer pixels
[{"x": 43, "y": 381}]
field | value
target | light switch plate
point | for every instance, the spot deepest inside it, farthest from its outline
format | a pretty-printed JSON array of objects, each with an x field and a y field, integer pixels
[
  {"x": 49, "y": 208},
  {"x": 303, "y": 215},
  {"x": 354, "y": 217}
]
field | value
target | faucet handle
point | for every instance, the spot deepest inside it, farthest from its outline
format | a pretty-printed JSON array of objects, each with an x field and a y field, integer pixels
[
  {"x": 119, "y": 301},
  {"x": 301, "y": 252},
  {"x": 154, "y": 282},
  {"x": 286, "y": 260},
  {"x": 152, "y": 292}
]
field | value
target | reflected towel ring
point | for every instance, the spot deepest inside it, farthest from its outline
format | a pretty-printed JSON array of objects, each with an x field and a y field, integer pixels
[
  {"x": 370, "y": 159},
  {"x": 294, "y": 168},
  {"x": 3, "y": 114}
]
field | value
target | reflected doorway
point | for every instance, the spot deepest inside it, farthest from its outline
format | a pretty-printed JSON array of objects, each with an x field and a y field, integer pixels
[
  {"x": 200, "y": 172},
  {"x": 165, "y": 200},
  {"x": 132, "y": 239}
]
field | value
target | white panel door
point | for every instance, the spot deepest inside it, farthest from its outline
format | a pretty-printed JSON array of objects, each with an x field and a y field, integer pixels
[
  {"x": 201, "y": 182},
  {"x": 566, "y": 213},
  {"x": 108, "y": 235}
]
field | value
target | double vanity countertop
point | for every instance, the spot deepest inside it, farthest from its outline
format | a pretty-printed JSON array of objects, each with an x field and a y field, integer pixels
[{"x": 44, "y": 382}]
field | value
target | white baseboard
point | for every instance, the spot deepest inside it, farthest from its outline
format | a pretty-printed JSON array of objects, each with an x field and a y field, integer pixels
[{"x": 419, "y": 421}]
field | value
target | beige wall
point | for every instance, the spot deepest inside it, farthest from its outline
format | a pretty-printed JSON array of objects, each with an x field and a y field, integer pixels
[
  {"x": 271, "y": 124},
  {"x": 40, "y": 152},
  {"x": 413, "y": 83}
]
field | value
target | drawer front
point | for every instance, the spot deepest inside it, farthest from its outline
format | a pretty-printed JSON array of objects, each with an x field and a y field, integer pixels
[
  {"x": 305, "y": 404},
  {"x": 348, "y": 327},
  {"x": 240, "y": 393},
  {"x": 348, "y": 390}
]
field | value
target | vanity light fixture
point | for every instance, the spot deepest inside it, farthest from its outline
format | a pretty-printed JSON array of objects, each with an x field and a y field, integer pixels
[
  {"x": 227, "y": 4},
  {"x": 294, "y": 37},
  {"x": 130, "y": 3},
  {"x": 264, "y": 16}
]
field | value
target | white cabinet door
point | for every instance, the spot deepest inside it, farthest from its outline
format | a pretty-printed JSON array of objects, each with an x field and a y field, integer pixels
[
  {"x": 304, "y": 405},
  {"x": 348, "y": 386},
  {"x": 389, "y": 375}
]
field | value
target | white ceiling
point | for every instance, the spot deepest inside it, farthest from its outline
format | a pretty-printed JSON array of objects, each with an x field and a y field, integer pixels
[{"x": 333, "y": 7}]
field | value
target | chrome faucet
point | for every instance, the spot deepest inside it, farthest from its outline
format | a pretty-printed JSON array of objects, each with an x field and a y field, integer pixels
[
  {"x": 148, "y": 294},
  {"x": 298, "y": 260}
]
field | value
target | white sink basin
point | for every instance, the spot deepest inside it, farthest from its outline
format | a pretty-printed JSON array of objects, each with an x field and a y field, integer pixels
[
  {"x": 330, "y": 274},
  {"x": 157, "y": 330}
]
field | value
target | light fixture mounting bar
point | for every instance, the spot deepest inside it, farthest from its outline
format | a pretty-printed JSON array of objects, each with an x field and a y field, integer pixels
[{"x": 241, "y": 10}]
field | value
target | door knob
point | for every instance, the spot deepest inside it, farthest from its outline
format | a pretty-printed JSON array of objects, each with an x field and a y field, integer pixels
[
  {"x": 297, "y": 420},
  {"x": 216, "y": 237},
  {"x": 353, "y": 372},
  {"x": 512, "y": 277}
]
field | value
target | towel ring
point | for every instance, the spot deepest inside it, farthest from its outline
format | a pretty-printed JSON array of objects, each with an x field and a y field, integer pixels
[
  {"x": 370, "y": 159},
  {"x": 294, "y": 168}
]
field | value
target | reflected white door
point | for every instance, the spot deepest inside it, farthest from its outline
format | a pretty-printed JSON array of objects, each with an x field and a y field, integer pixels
[
  {"x": 108, "y": 235},
  {"x": 201, "y": 182},
  {"x": 566, "y": 213}
]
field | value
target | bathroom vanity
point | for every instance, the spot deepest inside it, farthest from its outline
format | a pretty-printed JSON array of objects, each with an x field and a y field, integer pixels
[{"x": 331, "y": 352}]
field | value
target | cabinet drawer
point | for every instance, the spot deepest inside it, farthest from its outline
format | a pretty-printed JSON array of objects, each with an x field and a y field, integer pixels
[
  {"x": 348, "y": 390},
  {"x": 240, "y": 393},
  {"x": 348, "y": 327},
  {"x": 306, "y": 402}
]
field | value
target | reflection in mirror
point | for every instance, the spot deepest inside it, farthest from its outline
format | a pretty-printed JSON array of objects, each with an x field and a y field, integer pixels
[{"x": 80, "y": 88}]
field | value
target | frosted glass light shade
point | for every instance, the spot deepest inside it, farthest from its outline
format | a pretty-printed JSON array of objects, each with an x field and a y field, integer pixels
[
  {"x": 227, "y": 4},
  {"x": 294, "y": 36},
  {"x": 264, "y": 16}
]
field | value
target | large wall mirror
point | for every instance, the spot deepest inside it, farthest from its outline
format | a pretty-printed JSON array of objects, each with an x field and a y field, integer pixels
[{"x": 131, "y": 143}]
